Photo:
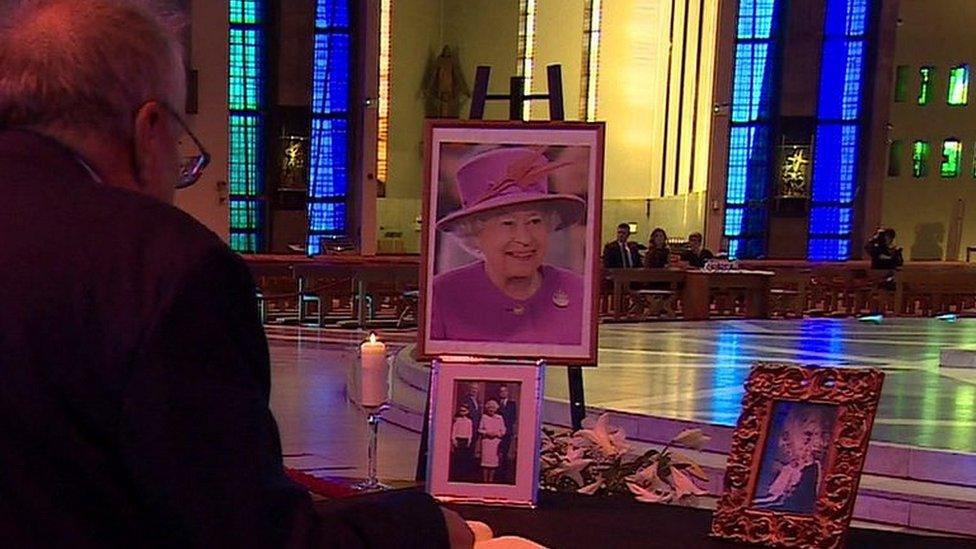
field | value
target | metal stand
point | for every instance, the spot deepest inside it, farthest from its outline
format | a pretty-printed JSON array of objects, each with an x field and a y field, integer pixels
[{"x": 373, "y": 422}]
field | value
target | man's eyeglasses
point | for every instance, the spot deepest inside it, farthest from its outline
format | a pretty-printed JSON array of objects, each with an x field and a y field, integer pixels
[{"x": 193, "y": 157}]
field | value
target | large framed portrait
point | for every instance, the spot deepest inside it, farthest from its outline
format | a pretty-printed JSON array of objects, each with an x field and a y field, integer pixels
[
  {"x": 485, "y": 432},
  {"x": 511, "y": 228},
  {"x": 797, "y": 454}
]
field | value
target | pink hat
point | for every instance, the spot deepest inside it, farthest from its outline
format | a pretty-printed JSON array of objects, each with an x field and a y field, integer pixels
[{"x": 511, "y": 176}]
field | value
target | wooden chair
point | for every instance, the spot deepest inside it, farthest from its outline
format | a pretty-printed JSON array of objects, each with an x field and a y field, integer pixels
[{"x": 649, "y": 302}]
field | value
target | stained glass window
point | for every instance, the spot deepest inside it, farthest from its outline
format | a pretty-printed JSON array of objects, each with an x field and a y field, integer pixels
[
  {"x": 756, "y": 52},
  {"x": 902, "y": 73},
  {"x": 926, "y": 82},
  {"x": 329, "y": 147},
  {"x": 894, "y": 158},
  {"x": 951, "y": 158},
  {"x": 959, "y": 85},
  {"x": 837, "y": 138},
  {"x": 245, "y": 101},
  {"x": 920, "y": 158}
]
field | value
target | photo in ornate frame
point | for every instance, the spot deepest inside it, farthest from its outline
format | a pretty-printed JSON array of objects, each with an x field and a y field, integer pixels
[
  {"x": 777, "y": 398},
  {"x": 461, "y": 310},
  {"x": 521, "y": 487}
]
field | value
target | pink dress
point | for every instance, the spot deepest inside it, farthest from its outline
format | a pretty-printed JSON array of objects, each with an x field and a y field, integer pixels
[{"x": 491, "y": 429}]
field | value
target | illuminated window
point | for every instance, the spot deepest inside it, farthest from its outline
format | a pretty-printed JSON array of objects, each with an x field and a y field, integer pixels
[
  {"x": 591, "y": 60},
  {"x": 920, "y": 158},
  {"x": 902, "y": 73},
  {"x": 526, "y": 49},
  {"x": 245, "y": 100},
  {"x": 958, "y": 85},
  {"x": 951, "y": 158},
  {"x": 894, "y": 158},
  {"x": 839, "y": 118},
  {"x": 383, "y": 97},
  {"x": 926, "y": 81},
  {"x": 329, "y": 145},
  {"x": 756, "y": 53}
]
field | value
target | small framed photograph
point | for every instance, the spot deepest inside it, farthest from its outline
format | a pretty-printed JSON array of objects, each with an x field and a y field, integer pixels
[
  {"x": 510, "y": 240},
  {"x": 484, "y": 432},
  {"x": 797, "y": 454}
]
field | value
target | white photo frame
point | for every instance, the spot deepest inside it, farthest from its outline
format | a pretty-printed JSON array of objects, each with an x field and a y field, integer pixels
[{"x": 486, "y": 470}]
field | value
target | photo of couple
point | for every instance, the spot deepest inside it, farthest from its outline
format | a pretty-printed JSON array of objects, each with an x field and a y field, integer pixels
[{"x": 484, "y": 432}]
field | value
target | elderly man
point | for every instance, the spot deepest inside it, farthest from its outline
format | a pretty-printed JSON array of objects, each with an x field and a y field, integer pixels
[{"x": 134, "y": 372}]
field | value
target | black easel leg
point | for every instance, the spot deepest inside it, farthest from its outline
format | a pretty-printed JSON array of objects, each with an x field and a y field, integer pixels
[
  {"x": 421, "y": 475},
  {"x": 577, "y": 404}
]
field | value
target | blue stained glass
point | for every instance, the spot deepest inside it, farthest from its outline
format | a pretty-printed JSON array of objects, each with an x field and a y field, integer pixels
[
  {"x": 329, "y": 147},
  {"x": 749, "y": 160},
  {"x": 330, "y": 80},
  {"x": 332, "y": 13},
  {"x": 755, "y": 19},
  {"x": 828, "y": 249},
  {"x": 837, "y": 142}
]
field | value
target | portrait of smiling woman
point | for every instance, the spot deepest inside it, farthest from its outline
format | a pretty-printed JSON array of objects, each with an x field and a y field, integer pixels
[{"x": 511, "y": 248}]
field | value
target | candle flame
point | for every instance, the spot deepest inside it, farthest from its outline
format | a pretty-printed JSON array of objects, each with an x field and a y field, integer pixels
[{"x": 372, "y": 337}]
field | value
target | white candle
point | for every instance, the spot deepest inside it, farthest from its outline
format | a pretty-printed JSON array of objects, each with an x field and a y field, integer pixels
[{"x": 374, "y": 373}]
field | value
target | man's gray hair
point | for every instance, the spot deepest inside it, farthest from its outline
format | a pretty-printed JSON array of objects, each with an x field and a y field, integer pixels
[{"x": 85, "y": 65}]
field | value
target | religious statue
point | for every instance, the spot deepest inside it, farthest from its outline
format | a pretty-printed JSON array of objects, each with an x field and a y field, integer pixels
[{"x": 444, "y": 86}]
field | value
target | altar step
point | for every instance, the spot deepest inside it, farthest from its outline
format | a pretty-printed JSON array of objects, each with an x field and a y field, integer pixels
[{"x": 902, "y": 486}]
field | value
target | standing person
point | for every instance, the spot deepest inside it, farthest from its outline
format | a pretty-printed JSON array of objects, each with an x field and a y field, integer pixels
[
  {"x": 473, "y": 404},
  {"x": 462, "y": 454},
  {"x": 509, "y": 412},
  {"x": 696, "y": 256},
  {"x": 134, "y": 370},
  {"x": 490, "y": 432},
  {"x": 658, "y": 253},
  {"x": 621, "y": 253}
]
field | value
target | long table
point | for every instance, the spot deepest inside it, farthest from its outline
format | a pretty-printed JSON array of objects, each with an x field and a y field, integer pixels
[
  {"x": 569, "y": 521},
  {"x": 696, "y": 287}
]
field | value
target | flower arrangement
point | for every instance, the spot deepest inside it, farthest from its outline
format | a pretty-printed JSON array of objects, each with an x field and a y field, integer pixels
[{"x": 598, "y": 460}]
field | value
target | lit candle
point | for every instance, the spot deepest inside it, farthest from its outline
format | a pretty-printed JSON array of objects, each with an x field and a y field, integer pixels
[{"x": 374, "y": 373}]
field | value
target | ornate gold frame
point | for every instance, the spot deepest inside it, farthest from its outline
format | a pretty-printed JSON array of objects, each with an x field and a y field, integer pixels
[{"x": 856, "y": 393}]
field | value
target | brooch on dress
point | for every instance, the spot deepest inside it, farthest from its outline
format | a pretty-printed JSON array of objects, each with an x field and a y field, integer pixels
[{"x": 560, "y": 299}]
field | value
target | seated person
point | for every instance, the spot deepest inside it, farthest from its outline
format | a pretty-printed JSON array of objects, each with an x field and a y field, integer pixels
[
  {"x": 658, "y": 254},
  {"x": 621, "y": 253},
  {"x": 881, "y": 250},
  {"x": 696, "y": 256}
]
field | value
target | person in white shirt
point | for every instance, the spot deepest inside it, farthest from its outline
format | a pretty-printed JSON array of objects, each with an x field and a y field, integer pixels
[{"x": 462, "y": 451}]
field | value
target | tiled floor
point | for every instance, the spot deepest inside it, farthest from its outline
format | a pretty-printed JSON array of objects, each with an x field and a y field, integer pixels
[{"x": 677, "y": 369}]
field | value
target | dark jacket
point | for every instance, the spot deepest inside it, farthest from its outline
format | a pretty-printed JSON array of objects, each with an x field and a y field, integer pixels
[
  {"x": 882, "y": 256},
  {"x": 134, "y": 380},
  {"x": 613, "y": 257},
  {"x": 657, "y": 258},
  {"x": 696, "y": 260}
]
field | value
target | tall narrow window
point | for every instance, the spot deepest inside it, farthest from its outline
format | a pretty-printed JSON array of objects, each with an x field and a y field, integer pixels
[
  {"x": 757, "y": 54},
  {"x": 840, "y": 118},
  {"x": 245, "y": 95},
  {"x": 328, "y": 186},
  {"x": 958, "y": 85},
  {"x": 894, "y": 158},
  {"x": 383, "y": 97},
  {"x": 590, "y": 69},
  {"x": 951, "y": 158},
  {"x": 902, "y": 73},
  {"x": 526, "y": 49},
  {"x": 926, "y": 82},
  {"x": 920, "y": 158}
]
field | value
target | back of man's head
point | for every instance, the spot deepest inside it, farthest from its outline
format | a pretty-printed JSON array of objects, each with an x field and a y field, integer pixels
[{"x": 85, "y": 65}]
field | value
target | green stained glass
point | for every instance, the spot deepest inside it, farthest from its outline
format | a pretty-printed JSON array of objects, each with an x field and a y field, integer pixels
[
  {"x": 920, "y": 158},
  {"x": 927, "y": 76},
  {"x": 959, "y": 85},
  {"x": 244, "y": 70},
  {"x": 902, "y": 73},
  {"x": 244, "y": 242},
  {"x": 243, "y": 160},
  {"x": 245, "y": 12},
  {"x": 951, "y": 158}
]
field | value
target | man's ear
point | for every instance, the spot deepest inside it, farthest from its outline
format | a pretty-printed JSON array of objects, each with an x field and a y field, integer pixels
[{"x": 148, "y": 125}]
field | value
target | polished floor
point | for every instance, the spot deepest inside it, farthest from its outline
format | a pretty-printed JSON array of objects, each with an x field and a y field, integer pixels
[{"x": 675, "y": 369}]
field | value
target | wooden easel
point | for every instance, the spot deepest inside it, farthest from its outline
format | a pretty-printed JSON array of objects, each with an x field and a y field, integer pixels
[{"x": 516, "y": 97}]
